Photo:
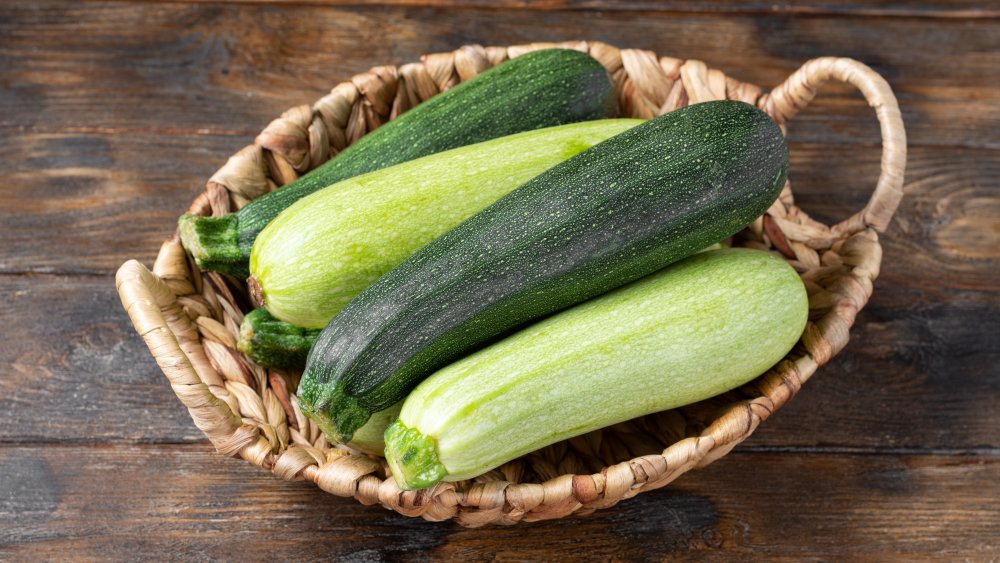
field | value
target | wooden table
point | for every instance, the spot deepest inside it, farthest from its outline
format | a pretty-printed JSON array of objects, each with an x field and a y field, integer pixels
[{"x": 113, "y": 114}]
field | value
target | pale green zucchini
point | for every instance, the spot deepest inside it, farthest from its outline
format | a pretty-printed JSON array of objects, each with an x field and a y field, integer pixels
[
  {"x": 326, "y": 248},
  {"x": 698, "y": 328}
]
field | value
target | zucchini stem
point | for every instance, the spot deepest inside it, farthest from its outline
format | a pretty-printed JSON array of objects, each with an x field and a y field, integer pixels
[
  {"x": 214, "y": 243},
  {"x": 272, "y": 343},
  {"x": 412, "y": 457}
]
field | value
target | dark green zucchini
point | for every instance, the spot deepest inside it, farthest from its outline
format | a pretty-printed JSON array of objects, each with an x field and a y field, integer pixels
[
  {"x": 540, "y": 89},
  {"x": 273, "y": 343},
  {"x": 612, "y": 214}
]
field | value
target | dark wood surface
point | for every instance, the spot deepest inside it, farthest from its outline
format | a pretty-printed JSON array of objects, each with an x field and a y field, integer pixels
[{"x": 113, "y": 114}]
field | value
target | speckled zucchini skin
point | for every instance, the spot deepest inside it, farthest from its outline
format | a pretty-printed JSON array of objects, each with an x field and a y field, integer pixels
[
  {"x": 539, "y": 89},
  {"x": 610, "y": 215}
]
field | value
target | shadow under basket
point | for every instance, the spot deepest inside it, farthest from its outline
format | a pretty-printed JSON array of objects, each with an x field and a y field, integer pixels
[{"x": 190, "y": 319}]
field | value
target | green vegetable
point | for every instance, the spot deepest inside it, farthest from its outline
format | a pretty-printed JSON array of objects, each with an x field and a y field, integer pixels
[
  {"x": 539, "y": 89},
  {"x": 612, "y": 214},
  {"x": 326, "y": 248},
  {"x": 275, "y": 344},
  {"x": 698, "y": 328}
]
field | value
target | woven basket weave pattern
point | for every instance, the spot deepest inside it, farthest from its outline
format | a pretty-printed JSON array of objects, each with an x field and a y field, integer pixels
[{"x": 190, "y": 319}]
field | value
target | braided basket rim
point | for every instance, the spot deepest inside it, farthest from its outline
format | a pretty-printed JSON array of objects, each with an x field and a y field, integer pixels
[{"x": 190, "y": 320}]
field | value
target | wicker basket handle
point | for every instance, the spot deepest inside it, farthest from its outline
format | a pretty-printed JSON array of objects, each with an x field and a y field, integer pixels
[
  {"x": 800, "y": 88},
  {"x": 163, "y": 325}
]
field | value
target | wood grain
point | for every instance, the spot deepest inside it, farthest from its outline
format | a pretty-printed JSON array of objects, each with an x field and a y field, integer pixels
[
  {"x": 224, "y": 68},
  {"x": 72, "y": 368},
  {"x": 935, "y": 9},
  {"x": 185, "y": 503},
  {"x": 86, "y": 202}
]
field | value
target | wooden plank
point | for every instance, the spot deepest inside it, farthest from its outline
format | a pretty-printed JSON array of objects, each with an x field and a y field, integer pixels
[
  {"x": 72, "y": 368},
  {"x": 86, "y": 202},
  {"x": 935, "y": 9},
  {"x": 920, "y": 374},
  {"x": 220, "y": 68},
  {"x": 185, "y": 502}
]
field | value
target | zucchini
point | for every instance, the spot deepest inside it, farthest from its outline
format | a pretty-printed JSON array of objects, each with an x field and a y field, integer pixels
[
  {"x": 326, "y": 248},
  {"x": 272, "y": 343},
  {"x": 698, "y": 328},
  {"x": 539, "y": 89},
  {"x": 612, "y": 214}
]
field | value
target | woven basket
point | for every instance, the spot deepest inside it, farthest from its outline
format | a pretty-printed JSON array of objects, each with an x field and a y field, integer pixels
[{"x": 190, "y": 319}]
